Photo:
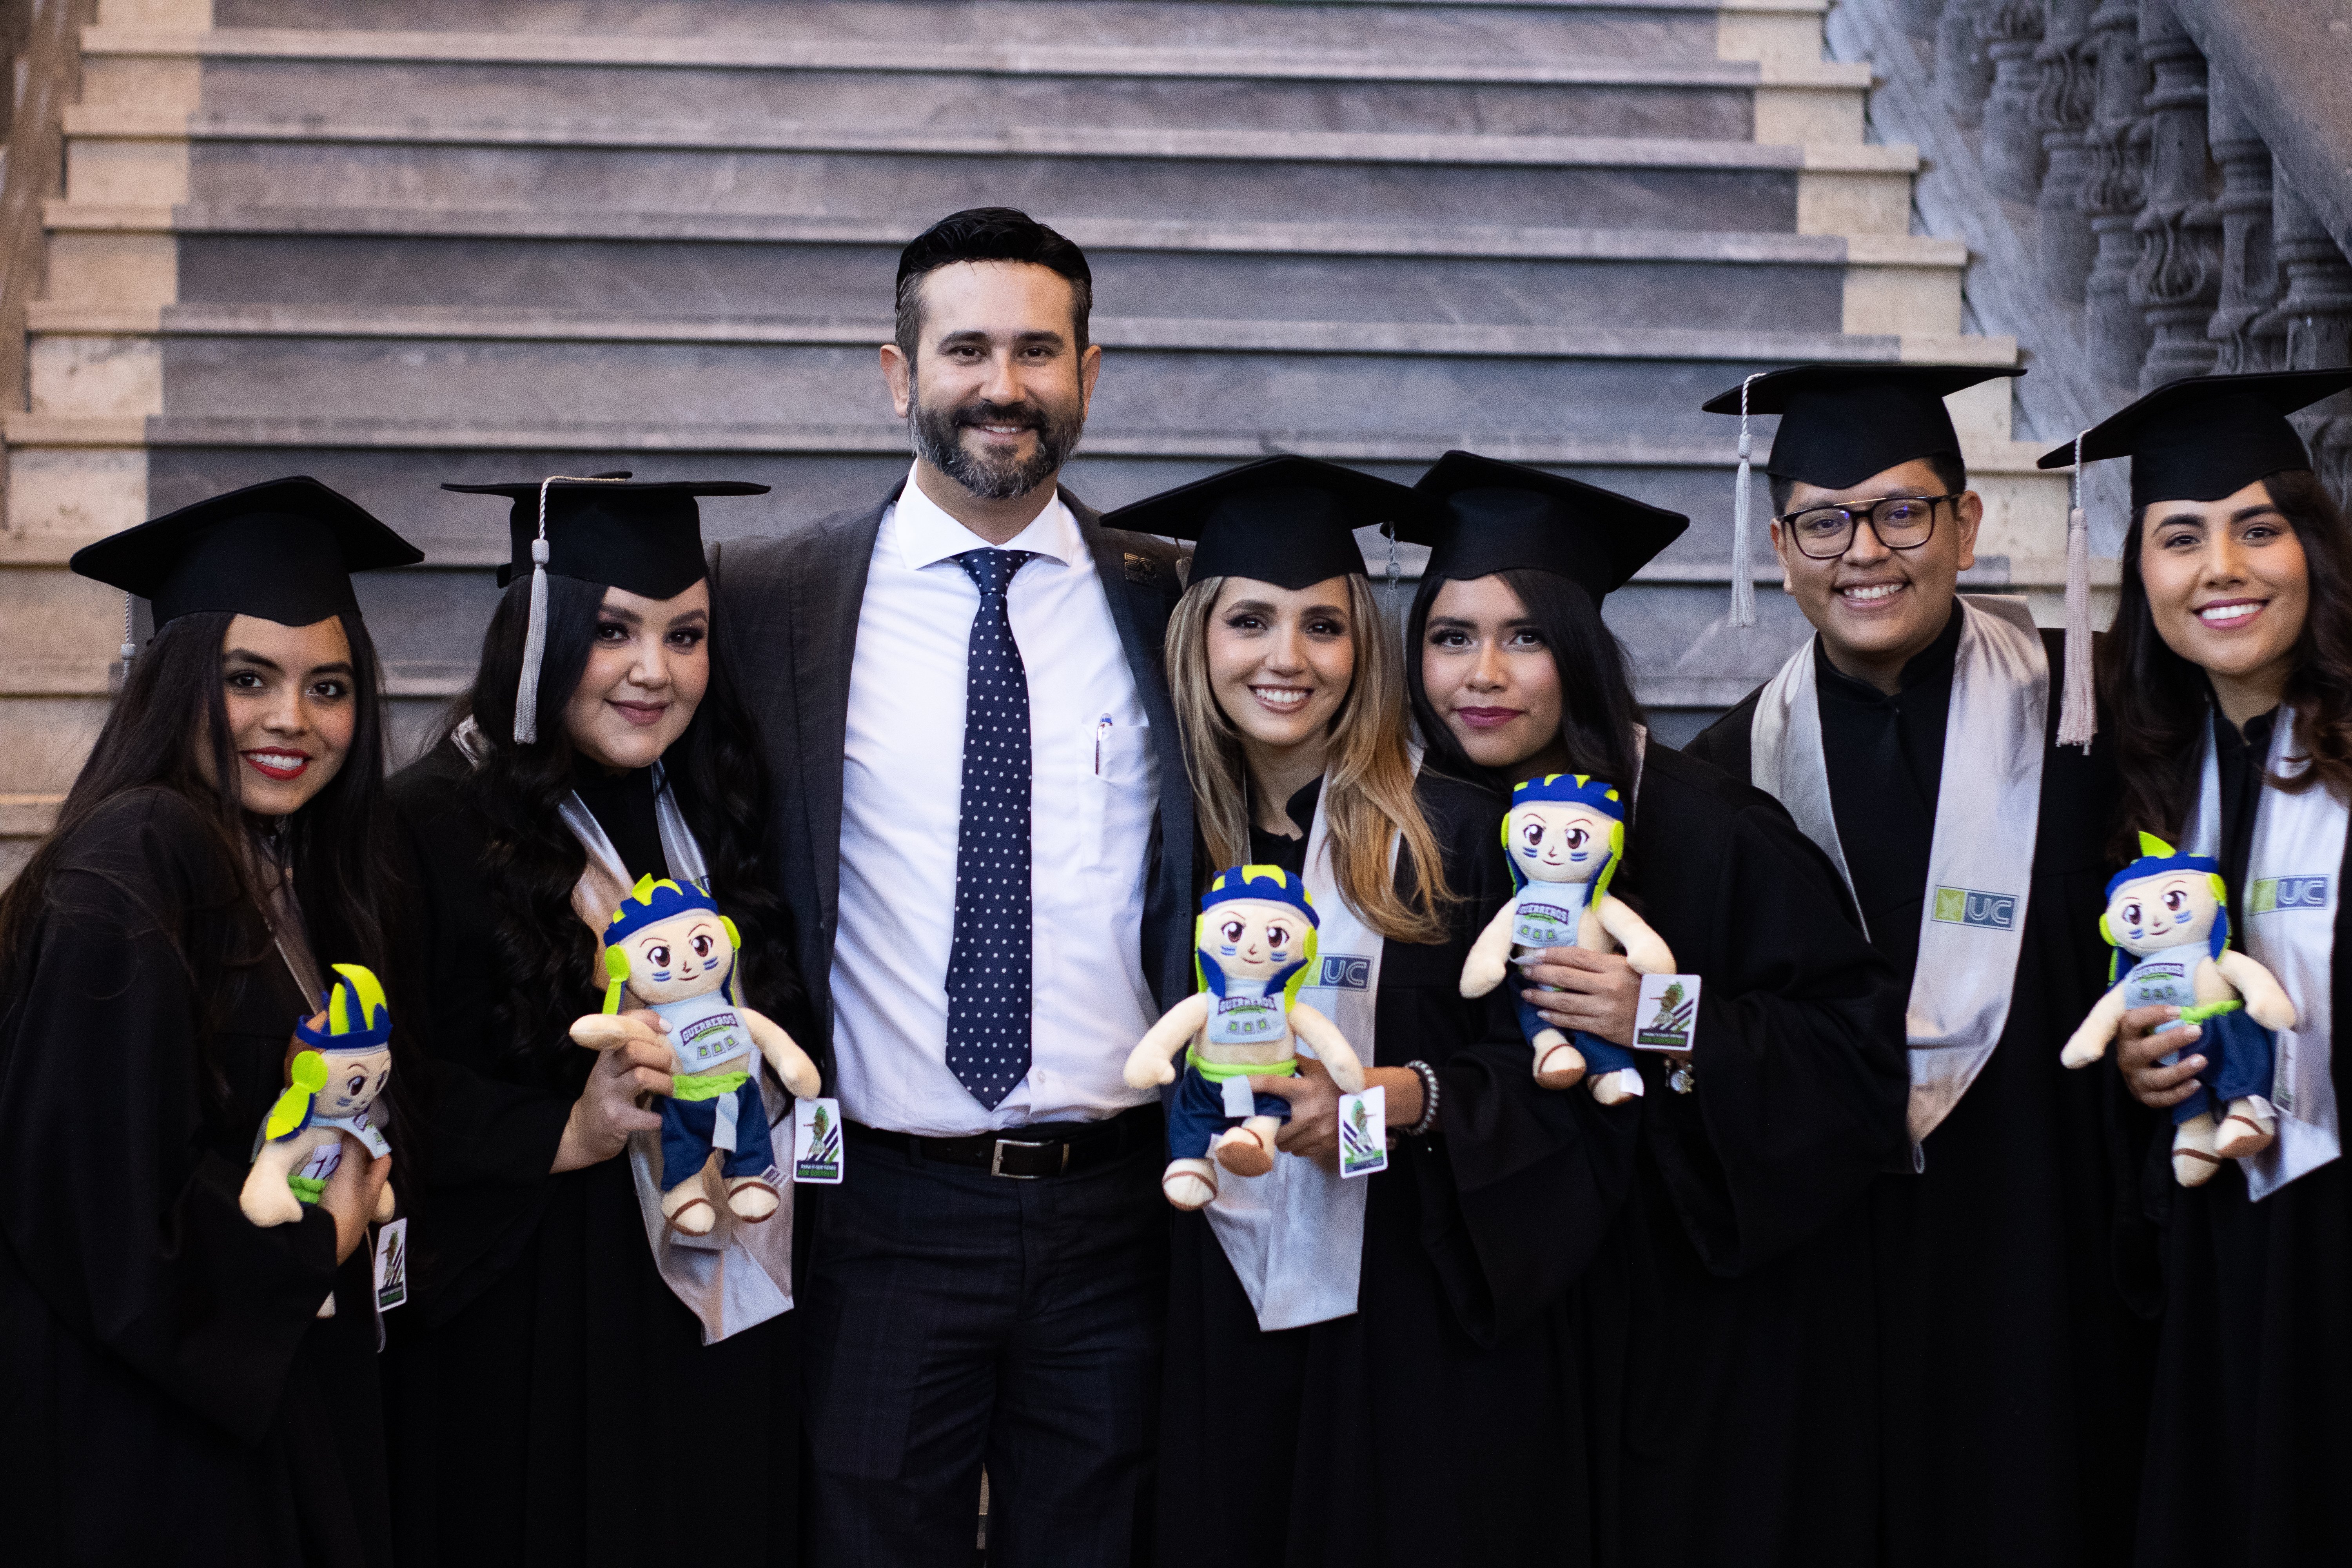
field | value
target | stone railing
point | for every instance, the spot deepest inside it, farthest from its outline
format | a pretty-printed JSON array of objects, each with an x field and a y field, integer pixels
[
  {"x": 40, "y": 45},
  {"x": 2149, "y": 188}
]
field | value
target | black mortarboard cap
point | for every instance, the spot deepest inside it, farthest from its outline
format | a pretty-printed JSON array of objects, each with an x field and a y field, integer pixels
[
  {"x": 1288, "y": 520},
  {"x": 1839, "y": 424},
  {"x": 1495, "y": 517},
  {"x": 643, "y": 539},
  {"x": 2206, "y": 436},
  {"x": 283, "y": 551}
]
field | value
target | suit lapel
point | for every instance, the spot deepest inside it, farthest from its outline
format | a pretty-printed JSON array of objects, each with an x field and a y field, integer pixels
[{"x": 827, "y": 595}]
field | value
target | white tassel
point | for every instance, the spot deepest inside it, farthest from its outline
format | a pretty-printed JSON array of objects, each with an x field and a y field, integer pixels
[
  {"x": 1743, "y": 576},
  {"x": 534, "y": 638},
  {"x": 2078, "y": 716},
  {"x": 130, "y": 646}
]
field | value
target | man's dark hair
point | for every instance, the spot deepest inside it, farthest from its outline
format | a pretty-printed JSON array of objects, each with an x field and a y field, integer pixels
[
  {"x": 1950, "y": 473},
  {"x": 989, "y": 233}
]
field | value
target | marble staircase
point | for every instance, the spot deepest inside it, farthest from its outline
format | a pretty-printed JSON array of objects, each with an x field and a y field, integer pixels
[{"x": 405, "y": 241}]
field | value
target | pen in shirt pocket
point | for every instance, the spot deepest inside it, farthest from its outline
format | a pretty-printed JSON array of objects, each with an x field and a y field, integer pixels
[{"x": 1102, "y": 726}]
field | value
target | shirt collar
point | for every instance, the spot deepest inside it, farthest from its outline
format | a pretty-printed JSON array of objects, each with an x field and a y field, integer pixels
[
  {"x": 1935, "y": 662},
  {"x": 928, "y": 535}
]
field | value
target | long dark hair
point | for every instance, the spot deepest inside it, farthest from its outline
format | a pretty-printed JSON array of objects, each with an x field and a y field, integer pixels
[
  {"x": 338, "y": 843},
  {"x": 2157, "y": 700},
  {"x": 1597, "y": 710},
  {"x": 715, "y": 770}
]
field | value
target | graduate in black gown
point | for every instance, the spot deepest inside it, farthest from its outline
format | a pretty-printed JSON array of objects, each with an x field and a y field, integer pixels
[
  {"x": 2229, "y": 651},
  {"x": 168, "y": 1390},
  {"x": 553, "y": 1396},
  {"x": 2012, "y": 1366},
  {"x": 1730, "y": 1313},
  {"x": 1437, "y": 1415}
]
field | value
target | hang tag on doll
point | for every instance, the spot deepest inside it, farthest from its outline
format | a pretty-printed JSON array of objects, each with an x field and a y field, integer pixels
[
  {"x": 816, "y": 1142},
  {"x": 1364, "y": 1133},
  {"x": 2282, "y": 1094},
  {"x": 1665, "y": 1016},
  {"x": 391, "y": 1264}
]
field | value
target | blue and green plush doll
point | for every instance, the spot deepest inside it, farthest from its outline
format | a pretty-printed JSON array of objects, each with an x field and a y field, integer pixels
[
  {"x": 667, "y": 946},
  {"x": 1254, "y": 949},
  {"x": 2170, "y": 912},
  {"x": 336, "y": 1066},
  {"x": 1563, "y": 837}
]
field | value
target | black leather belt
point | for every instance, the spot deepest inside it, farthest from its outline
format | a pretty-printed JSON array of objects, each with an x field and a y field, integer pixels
[{"x": 1028, "y": 1154}]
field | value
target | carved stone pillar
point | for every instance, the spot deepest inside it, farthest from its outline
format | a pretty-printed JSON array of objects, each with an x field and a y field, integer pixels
[
  {"x": 2250, "y": 268},
  {"x": 1963, "y": 70},
  {"x": 2115, "y": 332},
  {"x": 2011, "y": 31},
  {"x": 2063, "y": 105},
  {"x": 2317, "y": 319},
  {"x": 2178, "y": 280},
  {"x": 1920, "y": 17}
]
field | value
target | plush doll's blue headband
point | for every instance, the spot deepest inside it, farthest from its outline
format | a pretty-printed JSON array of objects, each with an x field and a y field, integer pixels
[
  {"x": 1268, "y": 882},
  {"x": 649, "y": 902},
  {"x": 1573, "y": 789}
]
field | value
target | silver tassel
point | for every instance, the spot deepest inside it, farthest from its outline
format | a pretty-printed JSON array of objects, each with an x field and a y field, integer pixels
[
  {"x": 1743, "y": 578},
  {"x": 130, "y": 646},
  {"x": 534, "y": 638},
  {"x": 2078, "y": 717}
]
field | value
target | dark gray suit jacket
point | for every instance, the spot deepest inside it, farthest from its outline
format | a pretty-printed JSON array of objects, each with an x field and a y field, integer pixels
[{"x": 790, "y": 608}]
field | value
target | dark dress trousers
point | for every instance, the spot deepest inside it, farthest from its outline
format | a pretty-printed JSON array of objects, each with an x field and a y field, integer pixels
[{"x": 952, "y": 1316}]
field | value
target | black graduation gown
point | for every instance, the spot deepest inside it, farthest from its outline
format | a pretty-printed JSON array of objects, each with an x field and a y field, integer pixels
[
  {"x": 1736, "y": 1293},
  {"x": 2013, "y": 1370},
  {"x": 2249, "y": 1432},
  {"x": 550, "y": 1400},
  {"x": 1444, "y": 1421},
  {"x": 168, "y": 1393}
]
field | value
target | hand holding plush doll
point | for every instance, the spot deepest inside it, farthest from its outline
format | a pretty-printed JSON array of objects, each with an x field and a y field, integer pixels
[
  {"x": 1254, "y": 947},
  {"x": 2170, "y": 912},
  {"x": 1563, "y": 837},
  {"x": 671, "y": 949},
  {"x": 336, "y": 1066}
]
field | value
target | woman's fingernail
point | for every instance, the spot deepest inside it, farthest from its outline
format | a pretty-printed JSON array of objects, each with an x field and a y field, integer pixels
[{"x": 2196, "y": 1061}]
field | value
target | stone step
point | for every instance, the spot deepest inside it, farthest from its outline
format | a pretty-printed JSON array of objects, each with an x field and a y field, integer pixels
[
  {"x": 125, "y": 156},
  {"x": 1281, "y": 380},
  {"x": 1658, "y": 30},
  {"x": 456, "y": 81},
  {"x": 830, "y": 268}
]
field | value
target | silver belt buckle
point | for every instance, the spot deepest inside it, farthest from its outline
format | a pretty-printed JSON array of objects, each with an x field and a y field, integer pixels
[{"x": 996, "y": 1159}]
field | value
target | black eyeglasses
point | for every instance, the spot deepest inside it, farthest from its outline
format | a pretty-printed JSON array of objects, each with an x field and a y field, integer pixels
[{"x": 1901, "y": 522}]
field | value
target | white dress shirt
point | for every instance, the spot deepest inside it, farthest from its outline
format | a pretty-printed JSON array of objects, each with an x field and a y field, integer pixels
[{"x": 1094, "y": 791}]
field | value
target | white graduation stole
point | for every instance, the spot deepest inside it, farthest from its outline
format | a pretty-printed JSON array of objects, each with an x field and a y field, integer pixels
[
  {"x": 1296, "y": 1235},
  {"x": 1980, "y": 863},
  {"x": 738, "y": 1275},
  {"x": 2289, "y": 903}
]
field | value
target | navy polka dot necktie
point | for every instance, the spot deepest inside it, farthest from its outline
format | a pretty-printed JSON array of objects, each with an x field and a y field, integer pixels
[{"x": 988, "y": 967}]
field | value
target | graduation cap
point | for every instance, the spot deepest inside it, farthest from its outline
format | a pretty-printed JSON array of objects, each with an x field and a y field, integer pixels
[
  {"x": 283, "y": 551},
  {"x": 1288, "y": 520},
  {"x": 643, "y": 539},
  {"x": 1839, "y": 424},
  {"x": 1493, "y": 516}
]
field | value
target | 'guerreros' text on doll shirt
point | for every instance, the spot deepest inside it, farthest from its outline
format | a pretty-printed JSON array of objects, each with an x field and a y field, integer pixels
[
  {"x": 1548, "y": 914},
  {"x": 1244, "y": 1015},
  {"x": 708, "y": 1034}
]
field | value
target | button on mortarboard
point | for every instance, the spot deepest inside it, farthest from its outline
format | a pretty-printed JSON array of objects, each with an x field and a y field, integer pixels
[
  {"x": 2203, "y": 437},
  {"x": 644, "y": 539},
  {"x": 1288, "y": 520},
  {"x": 1839, "y": 424},
  {"x": 282, "y": 551},
  {"x": 1502, "y": 517}
]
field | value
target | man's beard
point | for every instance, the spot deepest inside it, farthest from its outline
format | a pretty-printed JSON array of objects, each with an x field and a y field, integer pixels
[{"x": 938, "y": 433}]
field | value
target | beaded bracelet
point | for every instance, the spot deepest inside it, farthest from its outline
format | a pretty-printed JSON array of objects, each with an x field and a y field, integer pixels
[{"x": 1428, "y": 1076}]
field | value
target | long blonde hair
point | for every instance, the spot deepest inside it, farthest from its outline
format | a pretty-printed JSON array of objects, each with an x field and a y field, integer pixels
[{"x": 1367, "y": 800}]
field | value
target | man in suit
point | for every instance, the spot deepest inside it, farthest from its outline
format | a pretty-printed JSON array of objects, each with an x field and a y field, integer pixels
[{"x": 985, "y": 837}]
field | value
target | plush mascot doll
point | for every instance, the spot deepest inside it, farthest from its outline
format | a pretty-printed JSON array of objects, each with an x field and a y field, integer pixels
[
  {"x": 2172, "y": 913},
  {"x": 336, "y": 1066},
  {"x": 1563, "y": 835},
  {"x": 671, "y": 949},
  {"x": 1254, "y": 947}
]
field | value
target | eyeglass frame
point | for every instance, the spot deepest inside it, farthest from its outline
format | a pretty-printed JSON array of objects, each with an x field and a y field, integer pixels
[{"x": 1854, "y": 523}]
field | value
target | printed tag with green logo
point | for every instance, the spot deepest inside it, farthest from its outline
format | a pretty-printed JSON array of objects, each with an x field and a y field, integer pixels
[
  {"x": 1665, "y": 1016},
  {"x": 1364, "y": 1133},
  {"x": 816, "y": 1142},
  {"x": 1975, "y": 907},
  {"x": 392, "y": 1264}
]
